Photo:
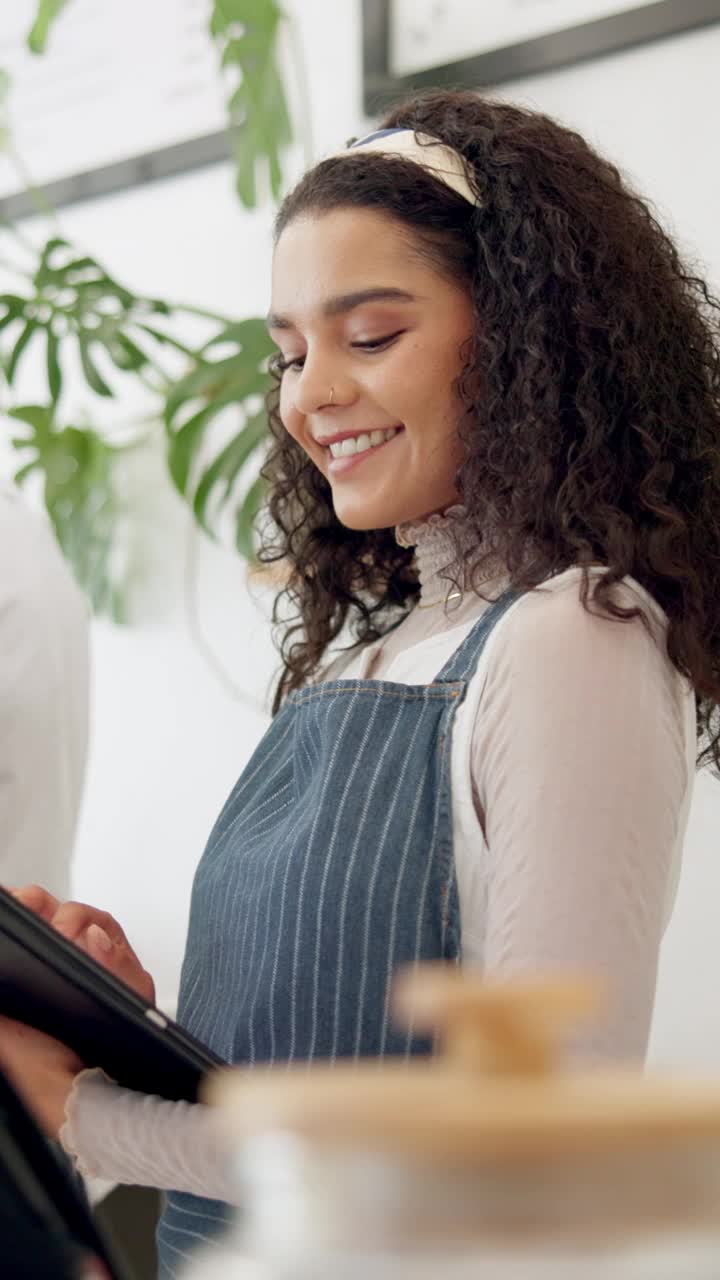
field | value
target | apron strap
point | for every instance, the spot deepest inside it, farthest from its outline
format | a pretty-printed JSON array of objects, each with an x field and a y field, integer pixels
[{"x": 463, "y": 661}]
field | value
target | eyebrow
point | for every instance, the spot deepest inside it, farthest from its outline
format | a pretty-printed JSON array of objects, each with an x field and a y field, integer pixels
[{"x": 345, "y": 302}]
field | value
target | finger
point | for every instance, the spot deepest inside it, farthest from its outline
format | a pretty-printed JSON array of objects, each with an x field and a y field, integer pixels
[
  {"x": 72, "y": 919},
  {"x": 14, "y": 1035},
  {"x": 120, "y": 960},
  {"x": 37, "y": 899},
  {"x": 99, "y": 943},
  {"x": 112, "y": 955}
]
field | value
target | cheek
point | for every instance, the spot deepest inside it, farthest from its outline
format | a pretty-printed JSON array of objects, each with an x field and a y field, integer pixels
[
  {"x": 296, "y": 426},
  {"x": 420, "y": 393},
  {"x": 289, "y": 415},
  {"x": 422, "y": 385}
]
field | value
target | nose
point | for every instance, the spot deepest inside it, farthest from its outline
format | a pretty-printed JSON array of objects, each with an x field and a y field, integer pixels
[
  {"x": 309, "y": 398},
  {"x": 320, "y": 385}
]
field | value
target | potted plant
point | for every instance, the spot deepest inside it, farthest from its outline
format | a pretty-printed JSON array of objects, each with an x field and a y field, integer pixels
[{"x": 67, "y": 305}]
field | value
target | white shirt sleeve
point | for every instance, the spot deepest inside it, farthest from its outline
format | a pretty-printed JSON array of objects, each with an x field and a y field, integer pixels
[
  {"x": 580, "y": 766},
  {"x": 121, "y": 1136}
]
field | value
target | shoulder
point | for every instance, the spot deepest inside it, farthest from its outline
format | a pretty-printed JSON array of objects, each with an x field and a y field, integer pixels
[
  {"x": 562, "y": 682},
  {"x": 335, "y": 664},
  {"x": 554, "y": 613},
  {"x": 550, "y": 645}
]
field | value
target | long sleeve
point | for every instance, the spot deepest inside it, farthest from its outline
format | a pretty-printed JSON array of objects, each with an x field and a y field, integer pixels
[
  {"x": 126, "y": 1137},
  {"x": 581, "y": 770}
]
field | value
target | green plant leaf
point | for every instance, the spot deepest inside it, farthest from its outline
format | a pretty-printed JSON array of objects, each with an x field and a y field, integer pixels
[
  {"x": 43, "y": 267},
  {"x": 54, "y": 371},
  {"x": 84, "y": 275},
  {"x": 218, "y": 383},
  {"x": 22, "y": 475},
  {"x": 260, "y": 127},
  {"x": 166, "y": 339},
  {"x": 11, "y": 364},
  {"x": 15, "y": 307},
  {"x": 78, "y": 482},
  {"x": 47, "y": 12},
  {"x": 159, "y": 307},
  {"x": 92, "y": 375},
  {"x": 227, "y": 465},
  {"x": 258, "y": 111},
  {"x": 37, "y": 416},
  {"x": 250, "y": 335},
  {"x": 193, "y": 403},
  {"x": 185, "y": 442},
  {"x": 125, "y": 353},
  {"x": 260, "y": 15}
]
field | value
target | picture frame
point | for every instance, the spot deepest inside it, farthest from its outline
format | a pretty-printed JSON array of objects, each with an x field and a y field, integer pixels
[{"x": 635, "y": 25}]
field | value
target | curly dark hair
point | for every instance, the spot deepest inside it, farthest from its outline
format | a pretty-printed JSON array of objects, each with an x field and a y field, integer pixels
[{"x": 591, "y": 394}]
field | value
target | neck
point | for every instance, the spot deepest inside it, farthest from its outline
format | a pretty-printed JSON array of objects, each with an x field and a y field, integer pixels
[{"x": 437, "y": 539}]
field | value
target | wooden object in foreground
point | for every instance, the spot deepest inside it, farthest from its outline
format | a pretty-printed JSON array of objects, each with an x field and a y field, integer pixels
[{"x": 496, "y": 1092}]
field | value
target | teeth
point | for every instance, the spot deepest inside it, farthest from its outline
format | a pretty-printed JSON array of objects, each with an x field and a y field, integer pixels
[{"x": 359, "y": 444}]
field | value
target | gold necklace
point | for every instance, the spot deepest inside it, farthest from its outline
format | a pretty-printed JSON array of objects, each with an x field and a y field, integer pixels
[{"x": 456, "y": 594}]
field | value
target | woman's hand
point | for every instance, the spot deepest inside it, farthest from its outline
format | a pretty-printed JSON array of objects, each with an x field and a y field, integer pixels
[
  {"x": 41, "y": 1069},
  {"x": 94, "y": 931}
]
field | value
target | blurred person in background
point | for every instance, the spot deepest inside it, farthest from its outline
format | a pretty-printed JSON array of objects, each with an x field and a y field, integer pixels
[{"x": 44, "y": 626}]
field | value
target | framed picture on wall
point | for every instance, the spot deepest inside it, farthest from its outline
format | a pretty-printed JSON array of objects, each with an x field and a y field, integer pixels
[{"x": 415, "y": 44}]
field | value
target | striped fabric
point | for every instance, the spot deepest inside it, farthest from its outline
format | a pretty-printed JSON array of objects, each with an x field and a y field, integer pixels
[{"x": 330, "y": 865}]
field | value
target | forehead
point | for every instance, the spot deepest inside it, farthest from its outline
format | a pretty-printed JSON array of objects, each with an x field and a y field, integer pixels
[{"x": 342, "y": 251}]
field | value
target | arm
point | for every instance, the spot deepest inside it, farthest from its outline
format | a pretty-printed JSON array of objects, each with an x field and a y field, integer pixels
[
  {"x": 579, "y": 759},
  {"x": 123, "y": 1136},
  {"x": 114, "y": 1134}
]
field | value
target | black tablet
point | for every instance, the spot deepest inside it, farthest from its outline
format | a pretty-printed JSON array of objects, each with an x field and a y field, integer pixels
[
  {"x": 46, "y": 1226},
  {"x": 51, "y": 984}
]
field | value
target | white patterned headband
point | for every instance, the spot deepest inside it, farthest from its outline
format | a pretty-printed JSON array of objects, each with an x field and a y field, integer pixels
[{"x": 432, "y": 155}]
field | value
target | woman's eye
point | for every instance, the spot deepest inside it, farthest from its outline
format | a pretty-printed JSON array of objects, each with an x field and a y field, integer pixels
[
  {"x": 376, "y": 343},
  {"x": 279, "y": 363}
]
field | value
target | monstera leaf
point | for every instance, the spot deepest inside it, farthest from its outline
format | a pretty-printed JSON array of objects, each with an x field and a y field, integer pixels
[
  {"x": 71, "y": 301},
  {"x": 76, "y": 467},
  {"x": 47, "y": 12},
  {"x": 246, "y": 31},
  {"x": 66, "y": 307},
  {"x": 192, "y": 408},
  {"x": 74, "y": 300}
]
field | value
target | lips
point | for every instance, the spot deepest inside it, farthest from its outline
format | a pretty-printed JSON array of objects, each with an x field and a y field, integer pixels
[
  {"x": 338, "y": 466},
  {"x": 339, "y": 436}
]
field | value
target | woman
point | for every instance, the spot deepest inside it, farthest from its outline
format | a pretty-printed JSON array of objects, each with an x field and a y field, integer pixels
[{"x": 495, "y": 479}]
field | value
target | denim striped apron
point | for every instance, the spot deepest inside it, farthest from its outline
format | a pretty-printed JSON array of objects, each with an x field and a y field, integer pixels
[{"x": 330, "y": 865}]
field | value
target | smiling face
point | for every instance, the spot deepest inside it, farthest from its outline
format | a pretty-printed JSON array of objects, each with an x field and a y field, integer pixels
[{"x": 370, "y": 342}]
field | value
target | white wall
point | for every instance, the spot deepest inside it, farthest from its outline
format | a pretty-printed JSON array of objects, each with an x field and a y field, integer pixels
[{"x": 168, "y": 739}]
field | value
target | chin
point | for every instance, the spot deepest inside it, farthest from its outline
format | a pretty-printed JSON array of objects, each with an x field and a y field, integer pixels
[
  {"x": 366, "y": 520},
  {"x": 387, "y": 514}
]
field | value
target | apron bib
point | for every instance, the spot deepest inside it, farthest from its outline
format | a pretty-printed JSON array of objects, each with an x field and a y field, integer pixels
[{"x": 330, "y": 866}]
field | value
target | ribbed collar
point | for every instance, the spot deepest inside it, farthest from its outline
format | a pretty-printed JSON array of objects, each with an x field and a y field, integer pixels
[{"x": 432, "y": 538}]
